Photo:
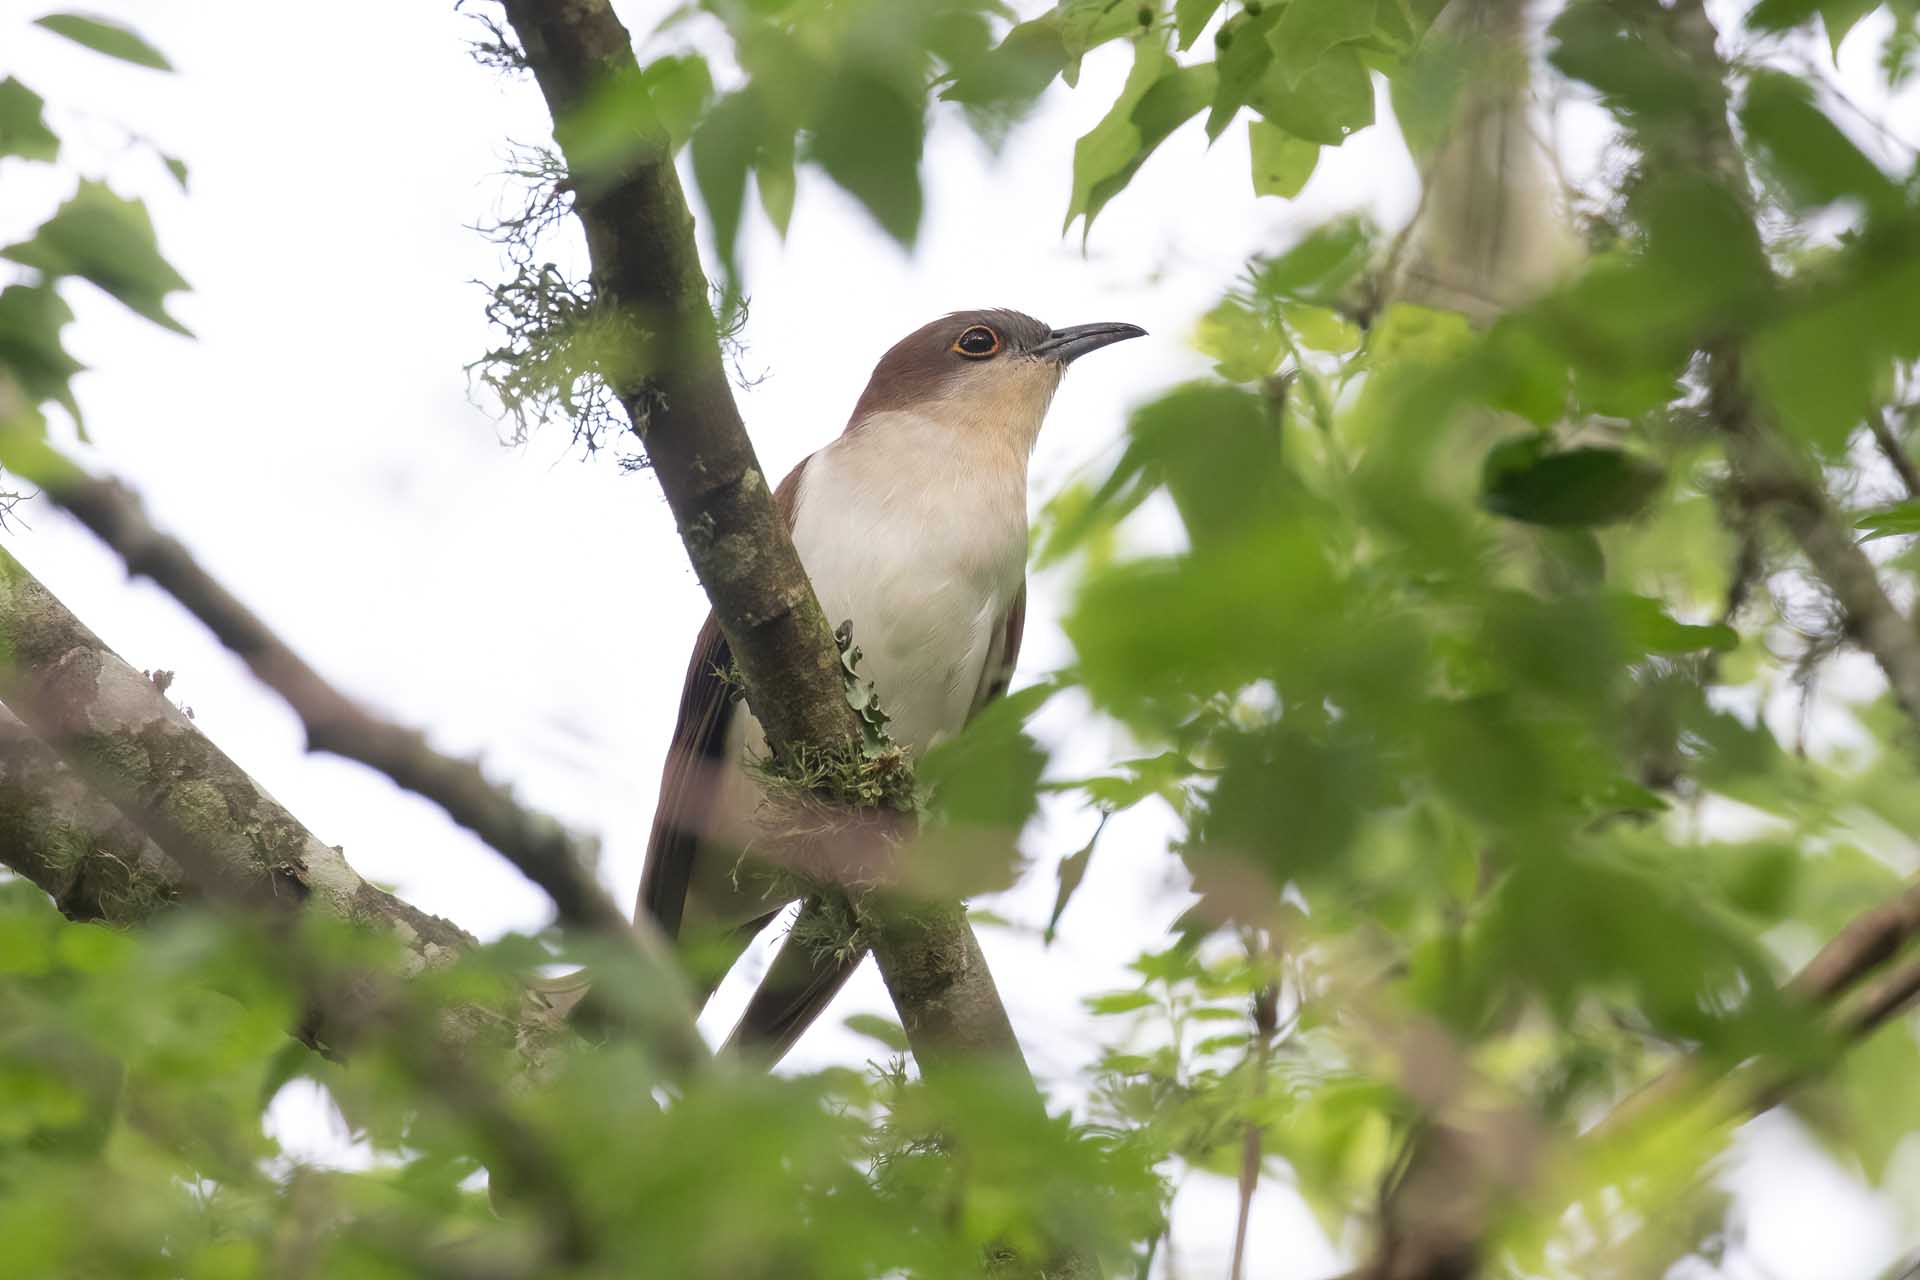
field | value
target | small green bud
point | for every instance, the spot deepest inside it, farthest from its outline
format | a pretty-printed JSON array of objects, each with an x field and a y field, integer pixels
[
  {"x": 1252, "y": 7},
  {"x": 1223, "y": 37},
  {"x": 1145, "y": 15}
]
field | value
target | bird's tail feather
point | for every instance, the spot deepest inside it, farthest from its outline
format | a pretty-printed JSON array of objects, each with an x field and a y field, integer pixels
[{"x": 799, "y": 984}]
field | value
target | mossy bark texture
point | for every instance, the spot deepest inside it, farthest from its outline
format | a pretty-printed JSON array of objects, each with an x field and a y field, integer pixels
[{"x": 183, "y": 806}]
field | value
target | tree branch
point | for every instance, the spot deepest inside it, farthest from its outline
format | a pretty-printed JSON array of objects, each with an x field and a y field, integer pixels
[
  {"x": 119, "y": 736},
  {"x": 56, "y": 832},
  {"x": 646, "y": 267},
  {"x": 542, "y": 849}
]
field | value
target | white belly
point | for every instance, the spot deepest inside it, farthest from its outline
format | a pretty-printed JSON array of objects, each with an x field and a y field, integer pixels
[{"x": 926, "y": 563}]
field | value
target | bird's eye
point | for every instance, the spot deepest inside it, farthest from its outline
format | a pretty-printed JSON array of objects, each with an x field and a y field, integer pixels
[{"x": 977, "y": 343}]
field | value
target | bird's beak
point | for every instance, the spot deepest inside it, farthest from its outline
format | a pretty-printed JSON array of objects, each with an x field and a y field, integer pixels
[{"x": 1064, "y": 346}]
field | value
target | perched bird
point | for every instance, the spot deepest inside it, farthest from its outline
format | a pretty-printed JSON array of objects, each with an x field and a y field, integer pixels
[{"x": 913, "y": 525}]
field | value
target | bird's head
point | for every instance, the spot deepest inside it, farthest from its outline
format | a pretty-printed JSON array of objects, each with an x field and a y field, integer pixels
[{"x": 991, "y": 372}]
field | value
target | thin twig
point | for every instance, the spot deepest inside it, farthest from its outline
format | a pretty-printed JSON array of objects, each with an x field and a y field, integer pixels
[
  {"x": 1266, "y": 1021},
  {"x": 1896, "y": 453},
  {"x": 1847, "y": 960}
]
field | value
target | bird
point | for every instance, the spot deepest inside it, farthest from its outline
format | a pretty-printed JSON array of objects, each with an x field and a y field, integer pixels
[{"x": 912, "y": 526}]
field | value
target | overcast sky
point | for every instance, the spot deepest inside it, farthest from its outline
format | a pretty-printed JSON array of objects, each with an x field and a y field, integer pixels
[{"x": 316, "y": 445}]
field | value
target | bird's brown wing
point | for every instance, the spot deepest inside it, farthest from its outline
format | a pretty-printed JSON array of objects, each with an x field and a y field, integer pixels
[
  {"x": 686, "y": 784},
  {"x": 694, "y": 759},
  {"x": 800, "y": 982},
  {"x": 1004, "y": 655}
]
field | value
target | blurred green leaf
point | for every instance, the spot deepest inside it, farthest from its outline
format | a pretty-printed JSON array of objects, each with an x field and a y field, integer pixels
[
  {"x": 1000, "y": 87},
  {"x": 110, "y": 243},
  {"x": 31, "y": 318},
  {"x": 1158, "y": 98},
  {"x": 1244, "y": 347},
  {"x": 679, "y": 87},
  {"x": 102, "y": 35},
  {"x": 1119, "y": 1002},
  {"x": 1321, "y": 328},
  {"x": 987, "y": 775},
  {"x": 1649, "y": 628},
  {"x": 1320, "y": 267},
  {"x": 724, "y": 147},
  {"x": 1898, "y": 520},
  {"x": 1807, "y": 152},
  {"x": 1282, "y": 163},
  {"x": 1525, "y": 479},
  {"x": 868, "y": 137},
  {"x": 1072, "y": 870},
  {"x": 885, "y": 1030},
  {"x": 23, "y": 129}
]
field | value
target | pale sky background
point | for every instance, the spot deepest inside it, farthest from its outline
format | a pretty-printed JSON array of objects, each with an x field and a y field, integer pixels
[{"x": 316, "y": 446}]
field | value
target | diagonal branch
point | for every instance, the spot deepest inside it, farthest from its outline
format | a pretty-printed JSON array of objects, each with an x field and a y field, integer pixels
[
  {"x": 119, "y": 736},
  {"x": 536, "y": 844}
]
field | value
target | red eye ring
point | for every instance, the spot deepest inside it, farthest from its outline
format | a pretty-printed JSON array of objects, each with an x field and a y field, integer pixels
[{"x": 977, "y": 343}]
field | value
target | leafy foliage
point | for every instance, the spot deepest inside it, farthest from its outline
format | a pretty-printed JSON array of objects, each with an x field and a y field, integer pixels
[{"x": 1472, "y": 637}]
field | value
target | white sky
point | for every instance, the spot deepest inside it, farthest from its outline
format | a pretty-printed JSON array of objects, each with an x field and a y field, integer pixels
[{"x": 316, "y": 447}]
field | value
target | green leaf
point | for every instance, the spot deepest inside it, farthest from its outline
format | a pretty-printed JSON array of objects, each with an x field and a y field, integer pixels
[
  {"x": 874, "y": 1027},
  {"x": 1646, "y": 625},
  {"x": 724, "y": 147},
  {"x": 1000, "y": 87},
  {"x": 1115, "y": 1002},
  {"x": 1332, "y": 100},
  {"x": 679, "y": 86},
  {"x": 23, "y": 130},
  {"x": 1087, "y": 24},
  {"x": 1320, "y": 266},
  {"x": 1874, "y": 1082},
  {"x": 1827, "y": 361},
  {"x": 1073, "y": 869},
  {"x": 1891, "y": 522},
  {"x": 109, "y": 242},
  {"x": 1243, "y": 61},
  {"x": 1158, "y": 97},
  {"x": 1321, "y": 328},
  {"x": 987, "y": 774},
  {"x": 105, "y": 36},
  {"x": 868, "y": 137},
  {"x": 1282, "y": 163},
  {"x": 1244, "y": 347},
  {"x": 1838, "y": 16},
  {"x": 1523, "y": 479},
  {"x": 1190, "y": 18},
  {"x": 31, "y": 318},
  {"x": 773, "y": 177},
  {"x": 1807, "y": 152},
  {"x": 1309, "y": 29}
]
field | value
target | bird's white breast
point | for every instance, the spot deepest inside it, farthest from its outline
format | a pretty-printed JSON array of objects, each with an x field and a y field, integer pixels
[{"x": 917, "y": 533}]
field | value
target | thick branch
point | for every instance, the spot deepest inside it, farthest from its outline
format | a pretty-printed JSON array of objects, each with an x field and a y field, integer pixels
[
  {"x": 536, "y": 844},
  {"x": 541, "y": 848},
  {"x": 56, "y": 832},
  {"x": 121, "y": 736},
  {"x": 127, "y": 741}
]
